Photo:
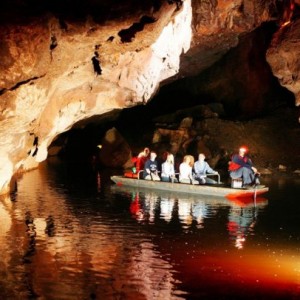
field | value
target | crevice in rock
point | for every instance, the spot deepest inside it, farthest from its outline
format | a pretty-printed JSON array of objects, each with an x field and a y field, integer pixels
[
  {"x": 53, "y": 42},
  {"x": 110, "y": 39},
  {"x": 96, "y": 63},
  {"x": 128, "y": 34},
  {"x": 30, "y": 80}
]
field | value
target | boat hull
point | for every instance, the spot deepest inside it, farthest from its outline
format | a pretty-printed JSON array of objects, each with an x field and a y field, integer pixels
[{"x": 210, "y": 190}]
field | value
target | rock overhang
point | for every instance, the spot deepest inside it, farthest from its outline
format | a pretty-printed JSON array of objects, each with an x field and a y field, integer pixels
[{"x": 63, "y": 64}]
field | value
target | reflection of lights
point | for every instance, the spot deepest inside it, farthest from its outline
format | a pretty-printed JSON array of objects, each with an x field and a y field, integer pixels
[
  {"x": 40, "y": 226},
  {"x": 239, "y": 242},
  {"x": 5, "y": 221}
]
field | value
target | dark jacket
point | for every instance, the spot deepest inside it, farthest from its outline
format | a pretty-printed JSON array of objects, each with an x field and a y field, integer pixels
[{"x": 238, "y": 161}]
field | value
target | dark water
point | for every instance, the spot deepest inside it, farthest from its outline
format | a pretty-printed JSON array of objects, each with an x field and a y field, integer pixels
[{"x": 70, "y": 234}]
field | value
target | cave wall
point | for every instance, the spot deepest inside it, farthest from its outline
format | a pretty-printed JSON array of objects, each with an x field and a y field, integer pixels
[
  {"x": 65, "y": 62},
  {"x": 283, "y": 57},
  {"x": 242, "y": 81},
  {"x": 48, "y": 80}
]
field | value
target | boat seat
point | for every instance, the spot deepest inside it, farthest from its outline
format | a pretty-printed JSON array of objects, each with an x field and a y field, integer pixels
[
  {"x": 131, "y": 174},
  {"x": 237, "y": 183}
]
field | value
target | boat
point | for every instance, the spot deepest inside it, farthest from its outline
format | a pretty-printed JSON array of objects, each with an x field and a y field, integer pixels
[{"x": 210, "y": 190}]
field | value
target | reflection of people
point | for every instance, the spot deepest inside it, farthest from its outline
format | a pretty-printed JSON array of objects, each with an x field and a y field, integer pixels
[
  {"x": 241, "y": 166},
  {"x": 241, "y": 221},
  {"x": 151, "y": 168},
  {"x": 185, "y": 170},
  {"x": 184, "y": 211},
  {"x": 201, "y": 168},
  {"x": 199, "y": 212},
  {"x": 166, "y": 208},
  {"x": 167, "y": 169}
]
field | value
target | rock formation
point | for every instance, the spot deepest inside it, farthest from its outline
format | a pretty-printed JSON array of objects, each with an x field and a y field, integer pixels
[
  {"x": 283, "y": 57},
  {"x": 61, "y": 65}
]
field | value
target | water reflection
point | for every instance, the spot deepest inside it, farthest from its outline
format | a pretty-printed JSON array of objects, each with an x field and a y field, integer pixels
[
  {"x": 56, "y": 245},
  {"x": 242, "y": 213},
  {"x": 70, "y": 235}
]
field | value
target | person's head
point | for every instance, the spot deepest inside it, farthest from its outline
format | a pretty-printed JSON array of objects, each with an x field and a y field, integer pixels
[
  {"x": 170, "y": 158},
  {"x": 192, "y": 160},
  {"x": 201, "y": 157},
  {"x": 186, "y": 159},
  {"x": 146, "y": 151},
  {"x": 152, "y": 155},
  {"x": 189, "y": 159},
  {"x": 243, "y": 150}
]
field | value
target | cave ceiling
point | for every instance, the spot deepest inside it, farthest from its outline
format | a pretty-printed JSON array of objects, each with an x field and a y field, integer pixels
[{"x": 63, "y": 62}]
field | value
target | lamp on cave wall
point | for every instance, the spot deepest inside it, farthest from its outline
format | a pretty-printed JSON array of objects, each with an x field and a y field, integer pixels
[{"x": 288, "y": 14}]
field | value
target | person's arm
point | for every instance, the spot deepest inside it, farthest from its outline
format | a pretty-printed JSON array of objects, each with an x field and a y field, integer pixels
[
  {"x": 190, "y": 171},
  {"x": 156, "y": 168},
  {"x": 238, "y": 160},
  {"x": 182, "y": 170},
  {"x": 209, "y": 170},
  {"x": 254, "y": 170},
  {"x": 172, "y": 170},
  {"x": 147, "y": 167}
]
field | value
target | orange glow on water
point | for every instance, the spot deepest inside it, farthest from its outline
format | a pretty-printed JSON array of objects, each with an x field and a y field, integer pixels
[{"x": 239, "y": 272}]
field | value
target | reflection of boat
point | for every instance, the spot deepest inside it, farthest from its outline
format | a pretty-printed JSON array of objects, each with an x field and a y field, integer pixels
[
  {"x": 212, "y": 190},
  {"x": 208, "y": 199},
  {"x": 248, "y": 201},
  {"x": 147, "y": 205}
]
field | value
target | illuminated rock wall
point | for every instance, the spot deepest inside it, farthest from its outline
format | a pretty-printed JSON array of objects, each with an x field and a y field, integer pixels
[{"x": 55, "y": 72}]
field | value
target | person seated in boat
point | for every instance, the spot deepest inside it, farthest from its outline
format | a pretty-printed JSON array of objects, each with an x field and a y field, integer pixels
[
  {"x": 186, "y": 170},
  {"x": 167, "y": 169},
  {"x": 241, "y": 166},
  {"x": 151, "y": 168},
  {"x": 133, "y": 172},
  {"x": 142, "y": 158},
  {"x": 201, "y": 169},
  {"x": 138, "y": 163}
]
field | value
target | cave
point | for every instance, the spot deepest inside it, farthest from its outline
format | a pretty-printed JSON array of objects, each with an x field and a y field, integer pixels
[
  {"x": 146, "y": 70},
  {"x": 239, "y": 88},
  {"x": 85, "y": 86}
]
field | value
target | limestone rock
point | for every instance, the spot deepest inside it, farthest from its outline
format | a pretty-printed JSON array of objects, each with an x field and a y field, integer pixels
[
  {"x": 115, "y": 151},
  {"x": 44, "y": 92},
  {"x": 283, "y": 58}
]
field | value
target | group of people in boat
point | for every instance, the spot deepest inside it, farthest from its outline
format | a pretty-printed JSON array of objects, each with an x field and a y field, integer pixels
[{"x": 191, "y": 172}]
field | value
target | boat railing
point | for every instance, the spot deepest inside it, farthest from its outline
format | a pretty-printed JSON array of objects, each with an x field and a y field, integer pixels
[
  {"x": 218, "y": 175},
  {"x": 139, "y": 172},
  {"x": 177, "y": 174}
]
